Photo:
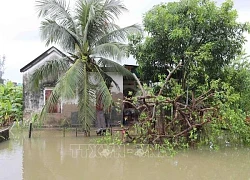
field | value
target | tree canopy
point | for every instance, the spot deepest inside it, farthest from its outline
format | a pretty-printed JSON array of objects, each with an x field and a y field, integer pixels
[{"x": 204, "y": 36}]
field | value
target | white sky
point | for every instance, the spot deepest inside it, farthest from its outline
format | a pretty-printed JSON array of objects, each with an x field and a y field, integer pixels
[{"x": 19, "y": 30}]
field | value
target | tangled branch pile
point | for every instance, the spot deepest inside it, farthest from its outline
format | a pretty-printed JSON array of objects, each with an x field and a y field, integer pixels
[{"x": 161, "y": 118}]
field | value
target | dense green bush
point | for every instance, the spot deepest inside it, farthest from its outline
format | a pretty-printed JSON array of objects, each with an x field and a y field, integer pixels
[{"x": 11, "y": 98}]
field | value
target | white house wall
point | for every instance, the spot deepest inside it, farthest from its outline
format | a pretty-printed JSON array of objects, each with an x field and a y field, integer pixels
[{"x": 119, "y": 80}]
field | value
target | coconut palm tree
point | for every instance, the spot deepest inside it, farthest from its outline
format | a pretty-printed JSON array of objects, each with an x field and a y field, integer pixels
[{"x": 89, "y": 34}]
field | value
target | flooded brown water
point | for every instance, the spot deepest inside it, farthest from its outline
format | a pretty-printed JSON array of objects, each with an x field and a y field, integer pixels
[{"x": 50, "y": 156}]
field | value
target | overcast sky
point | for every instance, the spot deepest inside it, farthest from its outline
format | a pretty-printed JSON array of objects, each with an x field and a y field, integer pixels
[{"x": 19, "y": 30}]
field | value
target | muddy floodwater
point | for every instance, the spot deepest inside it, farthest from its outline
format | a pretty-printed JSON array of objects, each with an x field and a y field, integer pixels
[{"x": 49, "y": 155}]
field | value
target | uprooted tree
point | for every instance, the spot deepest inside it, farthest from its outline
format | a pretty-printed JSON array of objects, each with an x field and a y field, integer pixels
[
  {"x": 163, "y": 118},
  {"x": 167, "y": 116}
]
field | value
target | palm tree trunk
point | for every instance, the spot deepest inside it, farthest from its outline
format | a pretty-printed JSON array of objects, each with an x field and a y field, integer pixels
[{"x": 86, "y": 125}]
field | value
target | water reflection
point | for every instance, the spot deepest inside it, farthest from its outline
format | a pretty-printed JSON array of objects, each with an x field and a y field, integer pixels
[
  {"x": 11, "y": 159},
  {"x": 48, "y": 155}
]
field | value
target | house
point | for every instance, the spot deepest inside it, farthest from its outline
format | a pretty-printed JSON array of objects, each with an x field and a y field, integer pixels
[{"x": 35, "y": 100}]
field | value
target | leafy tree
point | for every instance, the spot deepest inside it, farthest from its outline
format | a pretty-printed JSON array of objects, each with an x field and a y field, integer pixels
[
  {"x": 237, "y": 75},
  {"x": 11, "y": 107},
  {"x": 89, "y": 34},
  {"x": 203, "y": 36},
  {"x": 207, "y": 40}
]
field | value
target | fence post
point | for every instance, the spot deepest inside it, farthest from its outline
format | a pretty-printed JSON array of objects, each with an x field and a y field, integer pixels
[{"x": 30, "y": 129}]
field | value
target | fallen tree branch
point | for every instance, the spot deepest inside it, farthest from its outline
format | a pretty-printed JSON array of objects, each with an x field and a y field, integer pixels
[
  {"x": 139, "y": 83},
  {"x": 168, "y": 77}
]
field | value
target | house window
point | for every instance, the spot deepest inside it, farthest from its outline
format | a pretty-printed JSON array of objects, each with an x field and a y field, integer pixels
[{"x": 57, "y": 107}]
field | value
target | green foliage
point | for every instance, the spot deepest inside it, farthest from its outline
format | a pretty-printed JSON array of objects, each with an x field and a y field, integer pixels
[
  {"x": 208, "y": 40},
  {"x": 167, "y": 148},
  {"x": 109, "y": 139},
  {"x": 203, "y": 36},
  {"x": 34, "y": 119},
  {"x": 237, "y": 74},
  {"x": 226, "y": 125},
  {"x": 230, "y": 124},
  {"x": 11, "y": 106}
]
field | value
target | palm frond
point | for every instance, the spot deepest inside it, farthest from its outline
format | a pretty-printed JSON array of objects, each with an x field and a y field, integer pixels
[
  {"x": 108, "y": 79},
  {"x": 113, "y": 50},
  {"x": 85, "y": 15},
  {"x": 95, "y": 78},
  {"x": 50, "y": 70},
  {"x": 99, "y": 30},
  {"x": 66, "y": 88},
  {"x": 57, "y": 10},
  {"x": 109, "y": 65},
  {"x": 105, "y": 13},
  {"x": 113, "y": 8},
  {"x": 86, "y": 105},
  {"x": 119, "y": 34},
  {"x": 103, "y": 91},
  {"x": 69, "y": 82},
  {"x": 51, "y": 101},
  {"x": 52, "y": 8},
  {"x": 52, "y": 32}
]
